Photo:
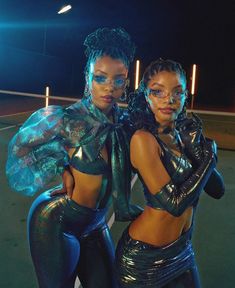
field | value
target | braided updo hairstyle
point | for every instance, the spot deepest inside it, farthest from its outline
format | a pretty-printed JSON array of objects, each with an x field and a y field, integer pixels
[
  {"x": 115, "y": 43},
  {"x": 141, "y": 116}
]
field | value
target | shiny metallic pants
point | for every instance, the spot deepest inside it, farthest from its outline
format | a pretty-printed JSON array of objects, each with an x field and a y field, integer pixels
[
  {"x": 141, "y": 265},
  {"x": 68, "y": 240}
]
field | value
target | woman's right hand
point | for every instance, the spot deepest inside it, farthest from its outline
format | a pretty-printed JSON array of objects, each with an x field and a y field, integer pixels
[{"x": 68, "y": 184}]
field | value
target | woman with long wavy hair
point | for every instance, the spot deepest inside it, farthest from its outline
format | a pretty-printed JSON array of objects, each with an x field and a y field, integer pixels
[{"x": 174, "y": 163}]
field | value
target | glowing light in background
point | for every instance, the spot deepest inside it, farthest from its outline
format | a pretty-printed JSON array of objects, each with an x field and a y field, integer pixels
[
  {"x": 47, "y": 96},
  {"x": 137, "y": 73},
  {"x": 193, "y": 83},
  {"x": 64, "y": 9},
  {"x": 193, "y": 79}
]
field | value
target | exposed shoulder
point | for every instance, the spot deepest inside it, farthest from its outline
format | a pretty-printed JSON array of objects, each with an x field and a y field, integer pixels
[
  {"x": 143, "y": 146},
  {"x": 144, "y": 138}
]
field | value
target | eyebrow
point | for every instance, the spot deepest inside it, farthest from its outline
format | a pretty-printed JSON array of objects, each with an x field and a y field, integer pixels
[
  {"x": 101, "y": 71},
  {"x": 156, "y": 83},
  {"x": 98, "y": 70}
]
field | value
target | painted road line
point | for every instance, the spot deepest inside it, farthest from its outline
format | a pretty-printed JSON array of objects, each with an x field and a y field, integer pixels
[
  {"x": 39, "y": 95},
  {"x": 9, "y": 127},
  {"x": 16, "y": 114},
  {"x": 212, "y": 112}
]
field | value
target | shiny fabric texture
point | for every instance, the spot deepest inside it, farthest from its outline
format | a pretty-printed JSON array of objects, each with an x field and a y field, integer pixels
[
  {"x": 177, "y": 198},
  {"x": 178, "y": 167},
  {"x": 68, "y": 240},
  {"x": 186, "y": 183},
  {"x": 142, "y": 265},
  {"x": 37, "y": 153}
]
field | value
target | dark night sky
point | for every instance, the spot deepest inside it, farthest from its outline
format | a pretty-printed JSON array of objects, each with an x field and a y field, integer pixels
[{"x": 200, "y": 32}]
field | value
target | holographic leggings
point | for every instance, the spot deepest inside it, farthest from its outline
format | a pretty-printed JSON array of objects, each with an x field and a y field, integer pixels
[
  {"x": 68, "y": 240},
  {"x": 141, "y": 265}
]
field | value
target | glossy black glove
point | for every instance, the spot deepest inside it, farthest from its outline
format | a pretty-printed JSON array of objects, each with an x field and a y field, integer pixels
[
  {"x": 190, "y": 134},
  {"x": 215, "y": 184},
  {"x": 190, "y": 131},
  {"x": 176, "y": 199}
]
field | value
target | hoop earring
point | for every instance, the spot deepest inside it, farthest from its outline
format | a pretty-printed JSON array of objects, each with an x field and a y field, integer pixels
[
  {"x": 87, "y": 91},
  {"x": 183, "y": 113},
  {"x": 125, "y": 95},
  {"x": 147, "y": 102},
  {"x": 123, "y": 98}
]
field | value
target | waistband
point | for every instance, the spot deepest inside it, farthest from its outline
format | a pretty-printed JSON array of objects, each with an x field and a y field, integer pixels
[
  {"x": 95, "y": 218},
  {"x": 74, "y": 207},
  {"x": 72, "y": 216},
  {"x": 173, "y": 248},
  {"x": 140, "y": 264}
]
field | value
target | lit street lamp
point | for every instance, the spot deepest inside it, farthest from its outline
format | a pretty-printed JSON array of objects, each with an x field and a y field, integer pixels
[{"x": 63, "y": 10}]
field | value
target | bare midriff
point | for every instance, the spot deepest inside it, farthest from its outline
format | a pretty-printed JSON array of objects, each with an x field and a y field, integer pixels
[
  {"x": 158, "y": 227},
  {"x": 86, "y": 186}
]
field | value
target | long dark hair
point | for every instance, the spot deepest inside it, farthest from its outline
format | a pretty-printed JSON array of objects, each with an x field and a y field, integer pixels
[{"x": 141, "y": 116}]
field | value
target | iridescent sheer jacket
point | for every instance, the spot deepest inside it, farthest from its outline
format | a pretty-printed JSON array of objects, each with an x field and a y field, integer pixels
[{"x": 37, "y": 153}]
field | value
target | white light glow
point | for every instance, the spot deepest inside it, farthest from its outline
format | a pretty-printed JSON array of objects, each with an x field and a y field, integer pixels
[
  {"x": 193, "y": 79},
  {"x": 47, "y": 96},
  {"x": 137, "y": 73},
  {"x": 64, "y": 9}
]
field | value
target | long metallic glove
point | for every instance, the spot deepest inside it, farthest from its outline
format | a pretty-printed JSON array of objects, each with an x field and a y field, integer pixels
[
  {"x": 177, "y": 199},
  {"x": 215, "y": 184},
  {"x": 190, "y": 132}
]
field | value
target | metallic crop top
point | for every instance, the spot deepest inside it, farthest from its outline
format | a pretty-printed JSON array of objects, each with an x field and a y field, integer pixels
[
  {"x": 178, "y": 167},
  {"x": 82, "y": 163}
]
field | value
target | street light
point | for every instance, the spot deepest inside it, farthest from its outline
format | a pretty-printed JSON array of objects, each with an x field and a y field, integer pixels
[
  {"x": 64, "y": 9},
  {"x": 193, "y": 84},
  {"x": 137, "y": 73}
]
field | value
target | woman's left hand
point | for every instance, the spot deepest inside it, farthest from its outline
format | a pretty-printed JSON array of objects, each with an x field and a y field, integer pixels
[
  {"x": 190, "y": 132},
  {"x": 68, "y": 184}
]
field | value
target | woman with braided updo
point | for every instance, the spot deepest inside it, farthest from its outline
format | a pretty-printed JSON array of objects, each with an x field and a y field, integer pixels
[
  {"x": 68, "y": 234},
  {"x": 174, "y": 163}
]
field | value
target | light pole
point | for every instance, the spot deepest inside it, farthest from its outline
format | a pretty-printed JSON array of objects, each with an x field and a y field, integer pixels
[
  {"x": 44, "y": 39},
  {"x": 193, "y": 78},
  {"x": 64, "y": 9}
]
